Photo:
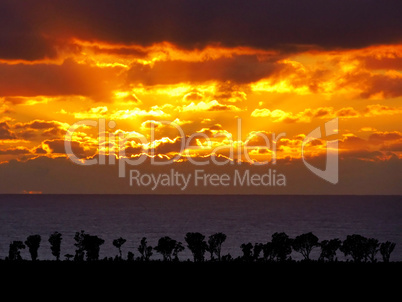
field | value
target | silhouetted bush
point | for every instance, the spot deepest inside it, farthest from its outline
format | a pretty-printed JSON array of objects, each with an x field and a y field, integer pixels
[
  {"x": 257, "y": 249},
  {"x": 79, "y": 244},
  {"x": 197, "y": 245},
  {"x": 33, "y": 243},
  {"x": 14, "y": 250},
  {"x": 268, "y": 252},
  {"x": 130, "y": 256},
  {"x": 118, "y": 243},
  {"x": 227, "y": 258},
  {"x": 168, "y": 247},
  {"x": 55, "y": 244},
  {"x": 87, "y": 244},
  {"x": 246, "y": 249},
  {"x": 92, "y": 246},
  {"x": 145, "y": 250}
]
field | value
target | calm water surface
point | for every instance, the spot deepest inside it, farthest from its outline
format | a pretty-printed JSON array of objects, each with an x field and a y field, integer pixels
[{"x": 242, "y": 218}]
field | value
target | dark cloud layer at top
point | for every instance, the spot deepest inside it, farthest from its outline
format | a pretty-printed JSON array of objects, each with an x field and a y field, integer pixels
[{"x": 30, "y": 29}]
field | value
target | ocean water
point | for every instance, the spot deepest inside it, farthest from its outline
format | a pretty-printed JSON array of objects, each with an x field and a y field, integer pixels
[{"x": 243, "y": 218}]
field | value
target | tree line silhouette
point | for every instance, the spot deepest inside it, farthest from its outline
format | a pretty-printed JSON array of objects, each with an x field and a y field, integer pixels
[{"x": 279, "y": 249}]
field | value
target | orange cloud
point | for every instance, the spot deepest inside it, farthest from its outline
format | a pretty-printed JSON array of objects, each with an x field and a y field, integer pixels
[
  {"x": 95, "y": 112},
  {"x": 379, "y": 142},
  {"x": 15, "y": 151},
  {"x": 305, "y": 116},
  {"x": 238, "y": 69},
  {"x": 103, "y": 111},
  {"x": 41, "y": 125},
  {"x": 377, "y": 109},
  {"x": 4, "y": 108},
  {"x": 381, "y": 137},
  {"x": 5, "y": 132},
  {"x": 133, "y": 113},
  {"x": 207, "y": 106},
  {"x": 69, "y": 78},
  {"x": 40, "y": 128},
  {"x": 57, "y": 146}
]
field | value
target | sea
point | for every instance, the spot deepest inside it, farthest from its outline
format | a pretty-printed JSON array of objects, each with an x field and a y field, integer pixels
[{"x": 242, "y": 218}]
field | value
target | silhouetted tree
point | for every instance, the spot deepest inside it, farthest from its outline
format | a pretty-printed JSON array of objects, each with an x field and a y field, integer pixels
[
  {"x": 281, "y": 245},
  {"x": 14, "y": 250},
  {"x": 215, "y": 245},
  {"x": 55, "y": 244},
  {"x": 197, "y": 245},
  {"x": 279, "y": 248},
  {"x": 329, "y": 248},
  {"x": 372, "y": 248},
  {"x": 268, "y": 251},
  {"x": 177, "y": 249},
  {"x": 356, "y": 246},
  {"x": 130, "y": 256},
  {"x": 258, "y": 247},
  {"x": 386, "y": 249},
  {"x": 247, "y": 248},
  {"x": 304, "y": 244},
  {"x": 33, "y": 243},
  {"x": 92, "y": 245},
  {"x": 166, "y": 247},
  {"x": 145, "y": 250},
  {"x": 227, "y": 258},
  {"x": 79, "y": 244},
  {"x": 88, "y": 244},
  {"x": 118, "y": 243}
]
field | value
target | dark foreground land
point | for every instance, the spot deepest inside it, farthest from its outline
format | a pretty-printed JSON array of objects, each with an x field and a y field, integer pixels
[
  {"x": 210, "y": 281},
  {"x": 154, "y": 270}
]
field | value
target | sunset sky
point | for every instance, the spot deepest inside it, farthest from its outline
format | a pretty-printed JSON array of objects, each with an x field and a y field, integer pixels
[{"x": 207, "y": 66}]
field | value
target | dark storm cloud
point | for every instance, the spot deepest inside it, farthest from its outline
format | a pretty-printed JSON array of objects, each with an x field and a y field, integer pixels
[
  {"x": 29, "y": 28},
  {"x": 20, "y": 37}
]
